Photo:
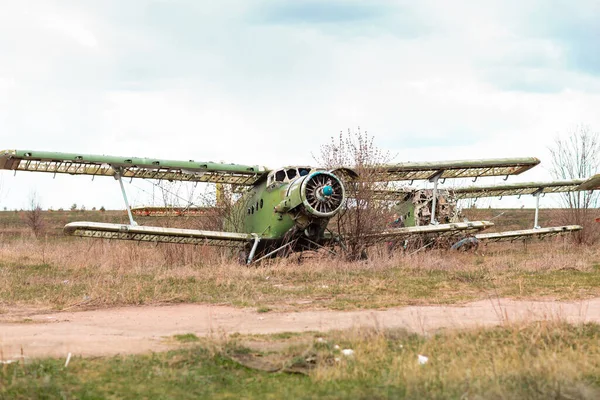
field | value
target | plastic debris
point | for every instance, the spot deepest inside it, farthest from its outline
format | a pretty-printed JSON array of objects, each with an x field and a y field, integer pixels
[
  {"x": 348, "y": 352},
  {"x": 68, "y": 359},
  {"x": 423, "y": 359},
  {"x": 336, "y": 347},
  {"x": 320, "y": 340}
]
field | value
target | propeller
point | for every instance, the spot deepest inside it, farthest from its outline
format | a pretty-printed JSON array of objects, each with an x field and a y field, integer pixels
[{"x": 324, "y": 193}]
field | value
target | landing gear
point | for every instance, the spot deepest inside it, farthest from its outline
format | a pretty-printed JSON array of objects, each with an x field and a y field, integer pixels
[{"x": 242, "y": 257}]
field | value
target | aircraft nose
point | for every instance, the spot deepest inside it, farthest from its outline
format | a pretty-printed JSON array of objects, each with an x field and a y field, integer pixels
[{"x": 327, "y": 190}]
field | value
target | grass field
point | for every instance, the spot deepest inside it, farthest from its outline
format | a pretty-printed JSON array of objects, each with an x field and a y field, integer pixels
[
  {"x": 539, "y": 360},
  {"x": 535, "y": 361},
  {"x": 59, "y": 272},
  {"x": 80, "y": 273}
]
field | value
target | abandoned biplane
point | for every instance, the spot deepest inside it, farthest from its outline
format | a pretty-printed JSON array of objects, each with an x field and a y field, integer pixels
[
  {"x": 417, "y": 207},
  {"x": 286, "y": 208},
  {"x": 535, "y": 189}
]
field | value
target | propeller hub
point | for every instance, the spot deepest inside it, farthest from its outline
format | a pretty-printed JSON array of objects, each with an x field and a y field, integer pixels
[{"x": 322, "y": 194}]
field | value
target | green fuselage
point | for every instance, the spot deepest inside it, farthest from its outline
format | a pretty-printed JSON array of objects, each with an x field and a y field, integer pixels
[
  {"x": 256, "y": 212},
  {"x": 293, "y": 208}
]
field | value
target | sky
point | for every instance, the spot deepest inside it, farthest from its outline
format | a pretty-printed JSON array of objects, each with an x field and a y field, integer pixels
[{"x": 269, "y": 82}]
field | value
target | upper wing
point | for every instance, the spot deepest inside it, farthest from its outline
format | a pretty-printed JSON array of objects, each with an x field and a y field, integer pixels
[
  {"x": 526, "y": 234},
  {"x": 156, "y": 234},
  {"x": 441, "y": 230},
  {"x": 149, "y": 168},
  {"x": 454, "y": 169},
  {"x": 527, "y": 188}
]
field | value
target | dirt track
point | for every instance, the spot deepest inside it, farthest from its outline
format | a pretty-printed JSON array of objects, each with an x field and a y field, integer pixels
[{"x": 141, "y": 329}]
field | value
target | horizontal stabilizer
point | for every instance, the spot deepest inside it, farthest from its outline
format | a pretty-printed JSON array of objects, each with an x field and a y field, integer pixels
[
  {"x": 440, "y": 229},
  {"x": 527, "y": 234},
  {"x": 454, "y": 169},
  {"x": 147, "y": 168},
  {"x": 156, "y": 234}
]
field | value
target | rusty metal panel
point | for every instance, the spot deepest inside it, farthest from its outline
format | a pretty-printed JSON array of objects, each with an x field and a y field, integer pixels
[
  {"x": 146, "y": 168},
  {"x": 156, "y": 234},
  {"x": 527, "y": 234},
  {"x": 456, "y": 169}
]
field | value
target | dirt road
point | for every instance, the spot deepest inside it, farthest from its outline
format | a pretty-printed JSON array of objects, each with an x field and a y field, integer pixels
[{"x": 140, "y": 329}]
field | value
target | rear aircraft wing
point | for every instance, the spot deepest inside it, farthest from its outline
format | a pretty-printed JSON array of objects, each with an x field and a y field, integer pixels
[
  {"x": 527, "y": 234},
  {"x": 147, "y": 168},
  {"x": 155, "y": 234},
  {"x": 454, "y": 169},
  {"x": 517, "y": 189},
  {"x": 440, "y": 230}
]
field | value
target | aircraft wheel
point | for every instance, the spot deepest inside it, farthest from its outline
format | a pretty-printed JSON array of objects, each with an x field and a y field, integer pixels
[{"x": 243, "y": 257}]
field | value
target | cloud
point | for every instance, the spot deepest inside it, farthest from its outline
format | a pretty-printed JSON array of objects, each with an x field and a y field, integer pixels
[
  {"x": 260, "y": 82},
  {"x": 316, "y": 12},
  {"x": 356, "y": 18},
  {"x": 73, "y": 29},
  {"x": 574, "y": 27}
]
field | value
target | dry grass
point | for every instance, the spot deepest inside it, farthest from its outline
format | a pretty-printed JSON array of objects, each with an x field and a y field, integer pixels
[
  {"x": 63, "y": 273},
  {"x": 539, "y": 360}
]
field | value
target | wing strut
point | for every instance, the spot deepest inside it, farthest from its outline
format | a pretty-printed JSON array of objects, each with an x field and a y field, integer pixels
[
  {"x": 537, "y": 208},
  {"x": 254, "y": 246},
  {"x": 118, "y": 177},
  {"x": 435, "y": 180}
]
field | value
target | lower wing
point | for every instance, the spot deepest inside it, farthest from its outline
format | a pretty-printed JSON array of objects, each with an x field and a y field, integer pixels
[
  {"x": 527, "y": 234},
  {"x": 442, "y": 230},
  {"x": 157, "y": 234}
]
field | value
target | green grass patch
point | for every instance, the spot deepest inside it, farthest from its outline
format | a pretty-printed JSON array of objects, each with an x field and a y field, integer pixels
[
  {"x": 186, "y": 338},
  {"x": 539, "y": 361}
]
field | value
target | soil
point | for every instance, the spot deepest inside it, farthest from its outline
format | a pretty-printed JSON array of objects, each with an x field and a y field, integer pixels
[{"x": 127, "y": 330}]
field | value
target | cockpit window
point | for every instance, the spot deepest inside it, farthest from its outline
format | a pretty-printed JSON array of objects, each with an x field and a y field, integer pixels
[
  {"x": 303, "y": 171},
  {"x": 291, "y": 173},
  {"x": 280, "y": 176}
]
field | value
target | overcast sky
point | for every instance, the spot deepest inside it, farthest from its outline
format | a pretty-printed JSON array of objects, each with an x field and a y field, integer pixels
[{"x": 268, "y": 82}]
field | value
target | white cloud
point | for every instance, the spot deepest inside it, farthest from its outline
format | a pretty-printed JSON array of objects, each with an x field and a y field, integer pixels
[
  {"x": 183, "y": 79},
  {"x": 71, "y": 28}
]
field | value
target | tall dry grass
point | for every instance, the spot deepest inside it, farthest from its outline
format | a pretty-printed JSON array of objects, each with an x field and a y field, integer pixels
[{"x": 93, "y": 273}]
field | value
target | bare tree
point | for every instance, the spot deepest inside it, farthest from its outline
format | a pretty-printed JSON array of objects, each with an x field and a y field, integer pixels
[
  {"x": 362, "y": 213},
  {"x": 578, "y": 157},
  {"x": 34, "y": 217}
]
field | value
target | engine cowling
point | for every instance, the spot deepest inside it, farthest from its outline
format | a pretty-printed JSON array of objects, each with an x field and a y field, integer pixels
[{"x": 320, "y": 193}]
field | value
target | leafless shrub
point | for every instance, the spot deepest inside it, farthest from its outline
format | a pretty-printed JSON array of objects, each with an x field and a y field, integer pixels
[
  {"x": 361, "y": 214},
  {"x": 578, "y": 157},
  {"x": 34, "y": 216}
]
